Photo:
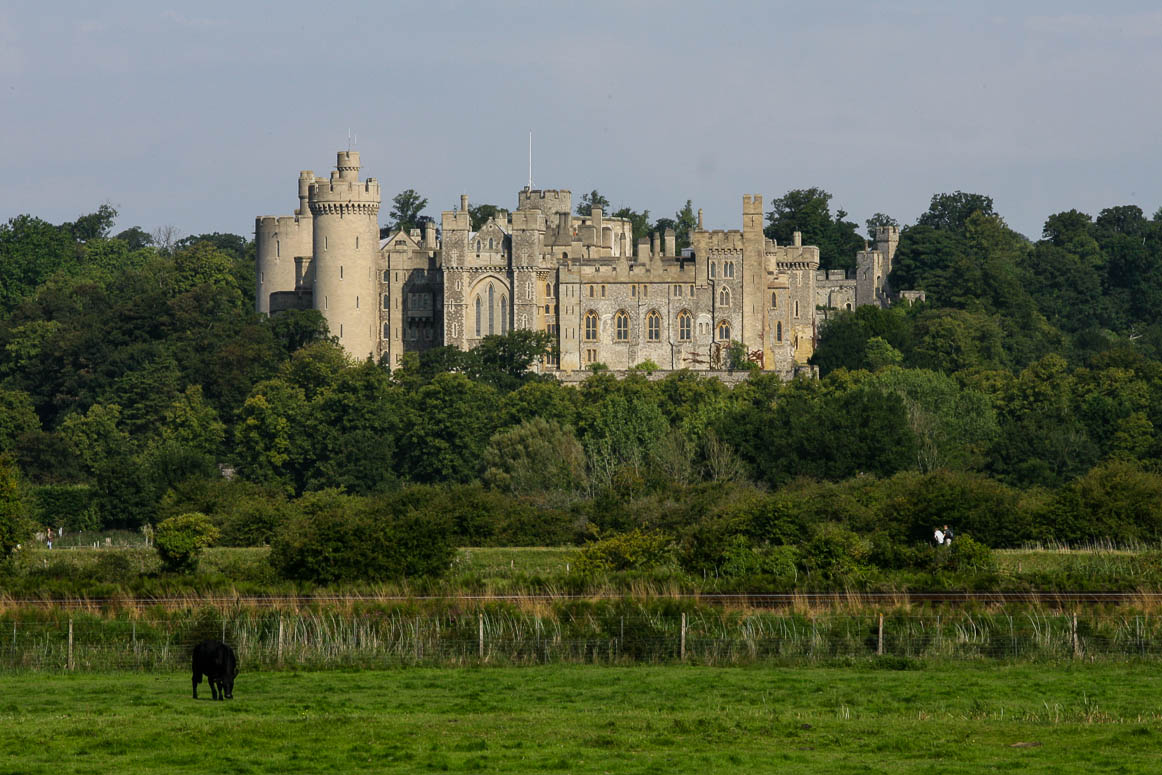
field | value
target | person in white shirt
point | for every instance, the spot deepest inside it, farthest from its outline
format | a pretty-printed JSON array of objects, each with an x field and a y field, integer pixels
[{"x": 939, "y": 536}]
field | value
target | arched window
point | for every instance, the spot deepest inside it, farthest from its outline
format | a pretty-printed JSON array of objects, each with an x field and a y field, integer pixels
[
  {"x": 723, "y": 331},
  {"x": 653, "y": 326},
  {"x": 477, "y": 247},
  {"x": 778, "y": 332},
  {"x": 386, "y": 331},
  {"x": 548, "y": 289},
  {"x": 503, "y": 314},
  {"x": 728, "y": 269},
  {"x": 621, "y": 326},
  {"x": 724, "y": 297},
  {"x": 712, "y": 275},
  {"x": 490, "y": 243},
  {"x": 774, "y": 300},
  {"x": 491, "y": 310},
  {"x": 590, "y": 326},
  {"x": 684, "y": 321},
  {"x": 848, "y": 305},
  {"x": 478, "y": 316}
]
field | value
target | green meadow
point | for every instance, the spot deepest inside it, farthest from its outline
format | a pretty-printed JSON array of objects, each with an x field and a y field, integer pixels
[{"x": 935, "y": 718}]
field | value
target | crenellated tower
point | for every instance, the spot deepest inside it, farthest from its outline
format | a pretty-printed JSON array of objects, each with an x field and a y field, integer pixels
[
  {"x": 345, "y": 212},
  {"x": 283, "y": 253}
]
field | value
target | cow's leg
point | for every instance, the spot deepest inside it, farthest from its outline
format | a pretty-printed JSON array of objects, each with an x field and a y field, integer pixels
[
  {"x": 197, "y": 680},
  {"x": 214, "y": 692}
]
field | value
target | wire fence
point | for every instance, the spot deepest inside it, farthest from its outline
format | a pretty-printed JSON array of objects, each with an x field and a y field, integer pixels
[{"x": 274, "y": 640}]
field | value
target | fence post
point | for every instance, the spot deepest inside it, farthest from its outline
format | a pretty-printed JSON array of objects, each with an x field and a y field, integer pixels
[
  {"x": 278, "y": 652},
  {"x": 70, "y": 663},
  {"x": 682, "y": 644},
  {"x": 480, "y": 634},
  {"x": 880, "y": 638},
  {"x": 1073, "y": 634}
]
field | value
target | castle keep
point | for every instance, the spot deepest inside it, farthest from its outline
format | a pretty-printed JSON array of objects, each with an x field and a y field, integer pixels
[{"x": 582, "y": 279}]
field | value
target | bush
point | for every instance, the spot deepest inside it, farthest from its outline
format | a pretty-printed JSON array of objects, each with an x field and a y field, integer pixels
[
  {"x": 181, "y": 539},
  {"x": 345, "y": 538},
  {"x": 15, "y": 526},
  {"x": 635, "y": 550}
]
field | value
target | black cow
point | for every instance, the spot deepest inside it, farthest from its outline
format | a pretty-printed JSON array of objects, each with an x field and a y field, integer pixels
[{"x": 216, "y": 661}]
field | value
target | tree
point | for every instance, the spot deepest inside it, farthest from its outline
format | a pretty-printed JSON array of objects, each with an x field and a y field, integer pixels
[
  {"x": 639, "y": 222},
  {"x": 135, "y": 238},
  {"x": 536, "y": 456},
  {"x": 181, "y": 539},
  {"x": 686, "y": 223},
  {"x": 30, "y": 251},
  {"x": 503, "y": 360},
  {"x": 15, "y": 526},
  {"x": 479, "y": 214},
  {"x": 808, "y": 212},
  {"x": 92, "y": 226},
  {"x": 591, "y": 200},
  {"x": 951, "y": 211},
  {"x": 406, "y": 207},
  {"x": 878, "y": 220}
]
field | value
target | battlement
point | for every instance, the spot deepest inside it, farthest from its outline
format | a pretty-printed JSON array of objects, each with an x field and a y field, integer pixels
[
  {"x": 752, "y": 204},
  {"x": 723, "y": 240},
  {"x": 886, "y": 233},
  {"x": 278, "y": 222}
]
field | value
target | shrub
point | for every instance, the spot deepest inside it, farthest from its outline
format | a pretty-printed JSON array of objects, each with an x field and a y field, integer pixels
[
  {"x": 635, "y": 550},
  {"x": 345, "y": 538},
  {"x": 834, "y": 553},
  {"x": 965, "y": 554},
  {"x": 15, "y": 526},
  {"x": 181, "y": 539}
]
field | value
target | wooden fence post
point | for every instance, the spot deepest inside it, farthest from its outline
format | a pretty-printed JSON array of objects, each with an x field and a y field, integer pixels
[
  {"x": 70, "y": 662},
  {"x": 278, "y": 650},
  {"x": 1073, "y": 635},
  {"x": 480, "y": 634},
  {"x": 682, "y": 644},
  {"x": 880, "y": 638}
]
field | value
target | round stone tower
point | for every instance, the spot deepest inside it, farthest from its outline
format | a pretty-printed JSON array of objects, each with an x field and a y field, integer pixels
[
  {"x": 278, "y": 241},
  {"x": 346, "y": 243},
  {"x": 550, "y": 201}
]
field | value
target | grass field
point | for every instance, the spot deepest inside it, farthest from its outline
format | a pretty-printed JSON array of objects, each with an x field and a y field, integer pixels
[{"x": 941, "y": 719}]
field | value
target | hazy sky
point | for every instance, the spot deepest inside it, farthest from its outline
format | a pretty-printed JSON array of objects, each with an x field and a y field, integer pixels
[{"x": 201, "y": 115}]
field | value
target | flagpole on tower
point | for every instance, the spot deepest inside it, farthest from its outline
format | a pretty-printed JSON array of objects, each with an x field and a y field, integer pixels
[{"x": 530, "y": 160}]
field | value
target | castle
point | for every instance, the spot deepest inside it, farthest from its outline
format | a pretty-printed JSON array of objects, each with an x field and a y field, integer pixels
[{"x": 582, "y": 279}]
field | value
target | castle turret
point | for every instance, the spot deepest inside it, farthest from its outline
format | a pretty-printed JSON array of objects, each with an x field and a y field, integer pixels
[
  {"x": 346, "y": 243},
  {"x": 753, "y": 274},
  {"x": 283, "y": 250}
]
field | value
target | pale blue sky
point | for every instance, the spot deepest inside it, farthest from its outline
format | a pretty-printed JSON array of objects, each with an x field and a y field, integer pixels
[{"x": 201, "y": 115}]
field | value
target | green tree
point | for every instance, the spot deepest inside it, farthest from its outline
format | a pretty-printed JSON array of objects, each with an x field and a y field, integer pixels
[
  {"x": 686, "y": 222},
  {"x": 536, "y": 456},
  {"x": 504, "y": 360},
  {"x": 808, "y": 211},
  {"x": 181, "y": 539},
  {"x": 447, "y": 427},
  {"x": 479, "y": 214},
  {"x": 406, "y": 207},
  {"x": 952, "y": 211},
  {"x": 877, "y": 220},
  {"x": 639, "y": 222},
  {"x": 30, "y": 251},
  {"x": 15, "y": 525},
  {"x": 269, "y": 445},
  {"x": 17, "y": 418},
  {"x": 591, "y": 200}
]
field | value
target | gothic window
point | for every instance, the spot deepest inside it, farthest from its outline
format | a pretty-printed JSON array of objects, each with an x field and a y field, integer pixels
[
  {"x": 848, "y": 306},
  {"x": 491, "y": 310},
  {"x": 774, "y": 300},
  {"x": 591, "y": 291},
  {"x": 678, "y": 291},
  {"x": 730, "y": 269},
  {"x": 712, "y": 274},
  {"x": 548, "y": 289},
  {"x": 603, "y": 291},
  {"x": 478, "y": 316},
  {"x": 621, "y": 326},
  {"x": 724, "y": 297},
  {"x": 503, "y": 314},
  {"x": 723, "y": 331},
  {"x": 490, "y": 243},
  {"x": 778, "y": 332},
  {"x": 590, "y": 326},
  {"x": 386, "y": 331},
  {"x": 478, "y": 247},
  {"x": 653, "y": 326},
  {"x": 684, "y": 321}
]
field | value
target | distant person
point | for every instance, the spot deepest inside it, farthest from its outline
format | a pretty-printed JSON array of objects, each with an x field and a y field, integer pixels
[
  {"x": 48, "y": 538},
  {"x": 947, "y": 534},
  {"x": 938, "y": 536}
]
